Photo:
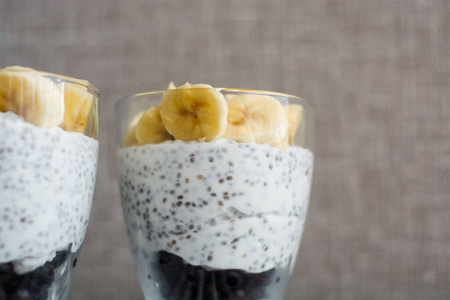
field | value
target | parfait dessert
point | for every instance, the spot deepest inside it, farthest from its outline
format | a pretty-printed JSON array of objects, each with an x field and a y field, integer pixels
[
  {"x": 48, "y": 162},
  {"x": 214, "y": 190}
]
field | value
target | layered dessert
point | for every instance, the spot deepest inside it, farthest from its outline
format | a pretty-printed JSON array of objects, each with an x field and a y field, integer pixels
[
  {"x": 48, "y": 162},
  {"x": 214, "y": 194}
]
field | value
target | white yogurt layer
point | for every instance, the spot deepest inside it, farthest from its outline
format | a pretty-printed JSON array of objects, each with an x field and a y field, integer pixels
[
  {"x": 47, "y": 179},
  {"x": 221, "y": 204}
]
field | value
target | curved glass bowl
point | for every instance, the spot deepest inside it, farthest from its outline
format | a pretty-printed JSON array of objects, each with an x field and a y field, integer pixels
[
  {"x": 219, "y": 219},
  {"x": 130, "y": 108},
  {"x": 48, "y": 164},
  {"x": 49, "y": 100}
]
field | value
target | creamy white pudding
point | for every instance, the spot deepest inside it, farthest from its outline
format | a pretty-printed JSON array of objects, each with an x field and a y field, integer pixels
[
  {"x": 47, "y": 179},
  {"x": 221, "y": 204}
]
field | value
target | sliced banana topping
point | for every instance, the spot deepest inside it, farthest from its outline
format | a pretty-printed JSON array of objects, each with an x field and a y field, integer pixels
[
  {"x": 136, "y": 119},
  {"x": 256, "y": 119},
  {"x": 194, "y": 112},
  {"x": 294, "y": 116},
  {"x": 171, "y": 86},
  {"x": 202, "y": 113},
  {"x": 130, "y": 137},
  {"x": 150, "y": 129},
  {"x": 78, "y": 103},
  {"x": 27, "y": 93},
  {"x": 92, "y": 122}
]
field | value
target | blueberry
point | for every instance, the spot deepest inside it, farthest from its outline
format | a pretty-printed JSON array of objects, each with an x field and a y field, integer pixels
[
  {"x": 36, "y": 283},
  {"x": 180, "y": 280},
  {"x": 6, "y": 273},
  {"x": 232, "y": 281},
  {"x": 20, "y": 295},
  {"x": 234, "y": 278},
  {"x": 45, "y": 275},
  {"x": 36, "y": 291},
  {"x": 32, "y": 285},
  {"x": 232, "y": 284},
  {"x": 60, "y": 258},
  {"x": 9, "y": 281},
  {"x": 190, "y": 285},
  {"x": 210, "y": 287},
  {"x": 171, "y": 267}
]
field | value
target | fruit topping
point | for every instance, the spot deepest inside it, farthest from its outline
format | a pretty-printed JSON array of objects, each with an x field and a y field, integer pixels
[
  {"x": 27, "y": 93},
  {"x": 194, "y": 112},
  {"x": 33, "y": 285},
  {"x": 78, "y": 103},
  {"x": 181, "y": 280},
  {"x": 256, "y": 119},
  {"x": 150, "y": 129},
  {"x": 294, "y": 116},
  {"x": 200, "y": 112}
]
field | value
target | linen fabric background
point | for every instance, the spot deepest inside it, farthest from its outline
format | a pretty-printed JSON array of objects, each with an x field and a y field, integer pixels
[{"x": 378, "y": 73}]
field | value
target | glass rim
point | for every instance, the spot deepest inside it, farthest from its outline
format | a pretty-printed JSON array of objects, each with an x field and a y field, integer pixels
[
  {"x": 63, "y": 79},
  {"x": 243, "y": 91},
  {"x": 58, "y": 78}
]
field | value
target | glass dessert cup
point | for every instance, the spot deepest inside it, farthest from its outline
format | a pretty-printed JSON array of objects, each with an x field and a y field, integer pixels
[
  {"x": 48, "y": 164},
  {"x": 219, "y": 218}
]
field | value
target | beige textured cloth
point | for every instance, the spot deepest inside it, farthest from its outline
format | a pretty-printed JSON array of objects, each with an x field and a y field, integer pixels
[{"x": 378, "y": 73}]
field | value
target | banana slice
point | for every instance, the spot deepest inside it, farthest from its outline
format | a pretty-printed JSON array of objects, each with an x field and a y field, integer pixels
[
  {"x": 171, "y": 86},
  {"x": 136, "y": 119},
  {"x": 150, "y": 129},
  {"x": 294, "y": 116},
  {"x": 27, "y": 93},
  {"x": 256, "y": 119},
  {"x": 78, "y": 103},
  {"x": 194, "y": 112},
  {"x": 130, "y": 138},
  {"x": 92, "y": 122}
]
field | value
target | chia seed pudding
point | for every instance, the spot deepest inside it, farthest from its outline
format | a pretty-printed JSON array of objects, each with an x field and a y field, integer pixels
[
  {"x": 214, "y": 190},
  {"x": 47, "y": 178},
  {"x": 214, "y": 220}
]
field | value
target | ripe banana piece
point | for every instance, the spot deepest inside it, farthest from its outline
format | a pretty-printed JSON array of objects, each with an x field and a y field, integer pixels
[
  {"x": 256, "y": 119},
  {"x": 78, "y": 103},
  {"x": 294, "y": 116},
  {"x": 92, "y": 121},
  {"x": 28, "y": 93},
  {"x": 136, "y": 119},
  {"x": 130, "y": 137},
  {"x": 149, "y": 129},
  {"x": 171, "y": 86},
  {"x": 194, "y": 112}
]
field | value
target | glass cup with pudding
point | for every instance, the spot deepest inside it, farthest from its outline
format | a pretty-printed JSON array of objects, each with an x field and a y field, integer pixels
[
  {"x": 48, "y": 165},
  {"x": 215, "y": 186}
]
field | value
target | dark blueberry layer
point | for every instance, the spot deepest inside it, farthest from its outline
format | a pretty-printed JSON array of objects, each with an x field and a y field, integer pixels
[
  {"x": 180, "y": 280},
  {"x": 33, "y": 285}
]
